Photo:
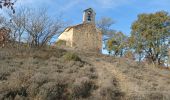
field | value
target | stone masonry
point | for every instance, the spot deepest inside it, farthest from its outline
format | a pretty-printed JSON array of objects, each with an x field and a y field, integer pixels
[{"x": 84, "y": 36}]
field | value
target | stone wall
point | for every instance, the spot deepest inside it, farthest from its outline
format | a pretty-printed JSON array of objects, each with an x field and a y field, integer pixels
[
  {"x": 67, "y": 36},
  {"x": 85, "y": 16},
  {"x": 87, "y": 37}
]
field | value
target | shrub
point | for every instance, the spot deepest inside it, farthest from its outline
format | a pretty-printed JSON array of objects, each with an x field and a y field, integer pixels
[
  {"x": 111, "y": 90},
  {"x": 39, "y": 79},
  {"x": 5, "y": 71},
  {"x": 33, "y": 89},
  {"x": 53, "y": 90},
  {"x": 89, "y": 71},
  {"x": 71, "y": 57},
  {"x": 129, "y": 55},
  {"x": 61, "y": 43},
  {"x": 82, "y": 87},
  {"x": 20, "y": 93},
  {"x": 111, "y": 94}
]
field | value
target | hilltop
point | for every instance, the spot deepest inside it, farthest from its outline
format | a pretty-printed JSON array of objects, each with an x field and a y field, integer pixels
[{"x": 53, "y": 73}]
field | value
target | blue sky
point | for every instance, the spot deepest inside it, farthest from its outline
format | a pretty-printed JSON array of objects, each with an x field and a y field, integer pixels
[{"x": 123, "y": 12}]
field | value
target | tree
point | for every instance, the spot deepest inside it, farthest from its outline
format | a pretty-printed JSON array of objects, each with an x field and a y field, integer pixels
[
  {"x": 41, "y": 28},
  {"x": 33, "y": 26},
  {"x": 104, "y": 25},
  {"x": 135, "y": 42},
  {"x": 150, "y": 35},
  {"x": 18, "y": 23},
  {"x": 117, "y": 44},
  {"x": 168, "y": 61},
  {"x": 8, "y": 4},
  {"x": 2, "y": 21}
]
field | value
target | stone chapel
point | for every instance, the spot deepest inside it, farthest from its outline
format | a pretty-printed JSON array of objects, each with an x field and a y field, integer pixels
[{"x": 84, "y": 36}]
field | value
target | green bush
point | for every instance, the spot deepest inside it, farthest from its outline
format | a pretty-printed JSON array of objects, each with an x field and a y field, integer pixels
[
  {"x": 71, "y": 57},
  {"x": 61, "y": 43}
]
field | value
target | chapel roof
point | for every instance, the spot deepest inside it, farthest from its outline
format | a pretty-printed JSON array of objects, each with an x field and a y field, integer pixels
[
  {"x": 75, "y": 26},
  {"x": 88, "y": 9}
]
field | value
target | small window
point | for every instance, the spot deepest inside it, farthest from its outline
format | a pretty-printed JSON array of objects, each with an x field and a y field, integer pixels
[{"x": 89, "y": 16}]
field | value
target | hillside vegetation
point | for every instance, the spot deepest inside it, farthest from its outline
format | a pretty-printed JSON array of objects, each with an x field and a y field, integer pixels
[
  {"x": 57, "y": 74},
  {"x": 32, "y": 69}
]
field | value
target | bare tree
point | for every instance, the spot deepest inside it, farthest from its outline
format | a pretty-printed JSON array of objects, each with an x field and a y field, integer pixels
[
  {"x": 33, "y": 26},
  {"x": 104, "y": 24},
  {"x": 41, "y": 28},
  {"x": 8, "y": 4},
  {"x": 2, "y": 21},
  {"x": 18, "y": 23}
]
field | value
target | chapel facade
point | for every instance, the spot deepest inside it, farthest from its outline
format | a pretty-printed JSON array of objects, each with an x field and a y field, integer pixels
[{"x": 84, "y": 36}]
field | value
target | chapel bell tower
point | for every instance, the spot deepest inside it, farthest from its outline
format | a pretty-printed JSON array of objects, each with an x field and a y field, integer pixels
[{"x": 89, "y": 16}]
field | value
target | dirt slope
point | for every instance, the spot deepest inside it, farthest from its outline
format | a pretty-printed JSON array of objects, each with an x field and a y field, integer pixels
[
  {"x": 56, "y": 74},
  {"x": 137, "y": 81}
]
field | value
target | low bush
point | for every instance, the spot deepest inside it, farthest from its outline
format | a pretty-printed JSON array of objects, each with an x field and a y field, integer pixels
[
  {"x": 71, "y": 57},
  {"x": 82, "y": 87},
  {"x": 61, "y": 43},
  {"x": 129, "y": 55}
]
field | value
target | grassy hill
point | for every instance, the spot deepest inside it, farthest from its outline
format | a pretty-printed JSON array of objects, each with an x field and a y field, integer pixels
[{"x": 57, "y": 74}]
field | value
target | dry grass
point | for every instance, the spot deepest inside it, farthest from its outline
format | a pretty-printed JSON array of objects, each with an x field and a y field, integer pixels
[
  {"x": 44, "y": 74},
  {"x": 56, "y": 74}
]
